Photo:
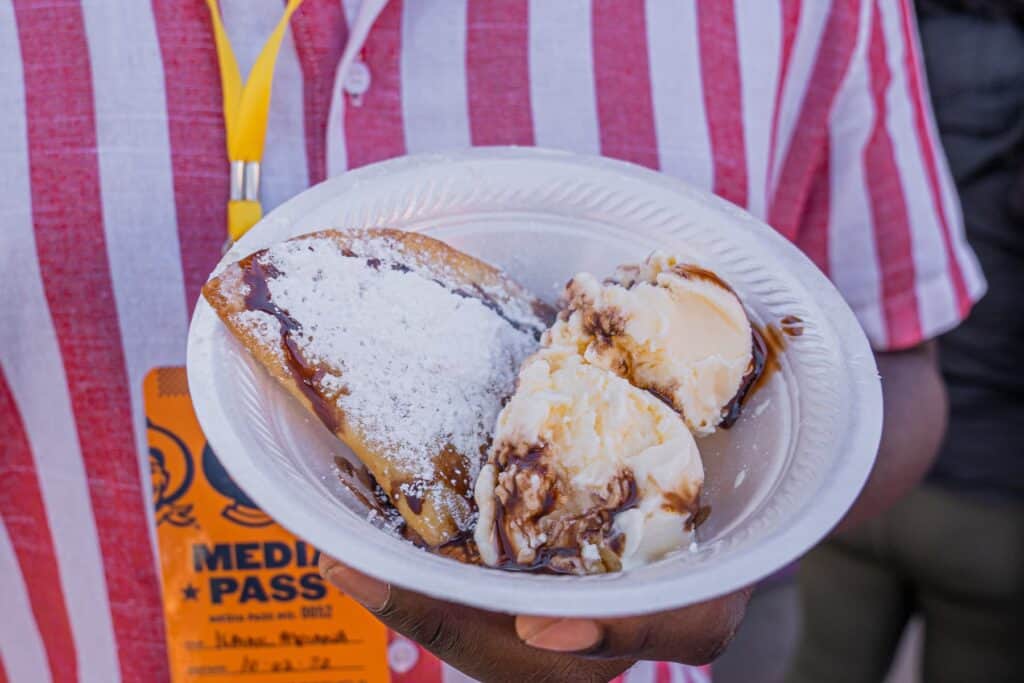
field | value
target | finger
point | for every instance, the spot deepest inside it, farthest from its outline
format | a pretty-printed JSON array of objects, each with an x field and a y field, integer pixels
[
  {"x": 692, "y": 635},
  {"x": 367, "y": 591},
  {"x": 481, "y": 644}
]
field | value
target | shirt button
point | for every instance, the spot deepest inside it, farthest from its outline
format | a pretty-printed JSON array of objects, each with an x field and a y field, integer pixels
[
  {"x": 357, "y": 80},
  {"x": 402, "y": 655}
]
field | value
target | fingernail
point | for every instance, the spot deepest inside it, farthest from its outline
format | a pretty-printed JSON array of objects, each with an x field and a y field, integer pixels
[
  {"x": 558, "y": 635},
  {"x": 528, "y": 627},
  {"x": 368, "y": 592}
]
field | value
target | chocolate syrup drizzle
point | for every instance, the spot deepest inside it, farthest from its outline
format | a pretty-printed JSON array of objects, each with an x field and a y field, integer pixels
[
  {"x": 697, "y": 517},
  {"x": 349, "y": 474},
  {"x": 257, "y": 276},
  {"x": 460, "y": 547},
  {"x": 763, "y": 352},
  {"x": 449, "y": 467},
  {"x": 544, "y": 556},
  {"x": 488, "y": 301},
  {"x": 478, "y": 293},
  {"x": 412, "y": 499},
  {"x": 731, "y": 411},
  {"x": 768, "y": 343}
]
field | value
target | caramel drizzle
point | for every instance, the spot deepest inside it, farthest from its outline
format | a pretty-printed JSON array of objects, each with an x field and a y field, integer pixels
[{"x": 689, "y": 270}]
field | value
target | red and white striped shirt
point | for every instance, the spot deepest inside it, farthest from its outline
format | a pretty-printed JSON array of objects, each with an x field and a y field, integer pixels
[{"x": 812, "y": 114}]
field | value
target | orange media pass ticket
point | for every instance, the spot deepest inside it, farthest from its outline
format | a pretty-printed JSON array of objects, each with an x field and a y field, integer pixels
[{"x": 243, "y": 600}]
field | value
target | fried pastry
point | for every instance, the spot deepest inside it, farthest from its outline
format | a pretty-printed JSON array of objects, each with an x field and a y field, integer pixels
[{"x": 402, "y": 346}]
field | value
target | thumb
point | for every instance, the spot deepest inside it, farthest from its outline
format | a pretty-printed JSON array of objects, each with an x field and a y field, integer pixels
[
  {"x": 367, "y": 591},
  {"x": 696, "y": 634}
]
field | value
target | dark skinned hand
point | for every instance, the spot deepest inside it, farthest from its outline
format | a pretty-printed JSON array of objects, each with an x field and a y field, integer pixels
[{"x": 500, "y": 647}]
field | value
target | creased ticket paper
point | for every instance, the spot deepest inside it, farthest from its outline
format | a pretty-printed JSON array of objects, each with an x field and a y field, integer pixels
[{"x": 243, "y": 599}]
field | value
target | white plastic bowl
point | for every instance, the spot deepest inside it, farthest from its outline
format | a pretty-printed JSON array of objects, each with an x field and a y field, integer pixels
[{"x": 776, "y": 482}]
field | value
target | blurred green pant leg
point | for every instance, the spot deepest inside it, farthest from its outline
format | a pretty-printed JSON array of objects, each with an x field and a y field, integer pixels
[{"x": 958, "y": 561}]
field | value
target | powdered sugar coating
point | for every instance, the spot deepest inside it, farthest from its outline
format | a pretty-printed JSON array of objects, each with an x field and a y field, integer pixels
[
  {"x": 263, "y": 326},
  {"x": 518, "y": 310},
  {"x": 413, "y": 367}
]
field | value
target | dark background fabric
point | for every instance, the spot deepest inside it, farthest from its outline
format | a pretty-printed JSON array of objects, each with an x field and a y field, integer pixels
[
  {"x": 1013, "y": 9},
  {"x": 974, "y": 55}
]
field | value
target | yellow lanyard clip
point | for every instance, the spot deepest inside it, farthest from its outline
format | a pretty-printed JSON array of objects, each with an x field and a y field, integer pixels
[{"x": 245, "y": 117}]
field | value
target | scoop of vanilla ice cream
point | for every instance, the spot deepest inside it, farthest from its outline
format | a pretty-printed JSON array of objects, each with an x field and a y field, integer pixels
[
  {"x": 672, "y": 328},
  {"x": 587, "y": 473}
]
